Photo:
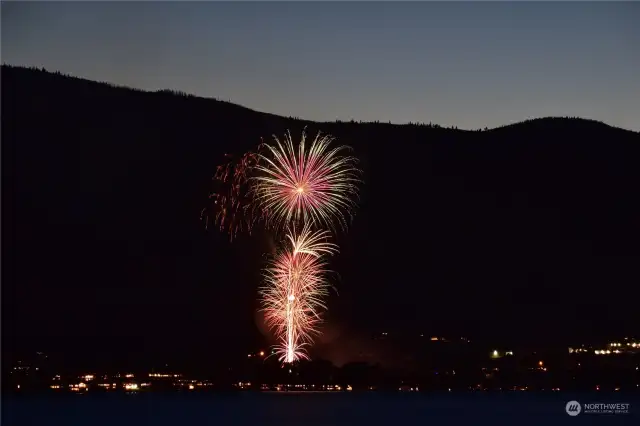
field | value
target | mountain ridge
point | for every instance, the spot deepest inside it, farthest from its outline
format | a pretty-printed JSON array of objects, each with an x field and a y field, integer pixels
[{"x": 181, "y": 94}]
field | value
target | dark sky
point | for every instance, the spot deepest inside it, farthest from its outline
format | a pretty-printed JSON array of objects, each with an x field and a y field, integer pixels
[{"x": 463, "y": 64}]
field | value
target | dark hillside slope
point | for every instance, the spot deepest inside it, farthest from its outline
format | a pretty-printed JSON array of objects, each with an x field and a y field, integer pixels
[{"x": 102, "y": 189}]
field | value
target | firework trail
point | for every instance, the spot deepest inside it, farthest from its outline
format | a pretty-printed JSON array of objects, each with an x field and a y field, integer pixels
[
  {"x": 294, "y": 287},
  {"x": 233, "y": 209},
  {"x": 311, "y": 184}
]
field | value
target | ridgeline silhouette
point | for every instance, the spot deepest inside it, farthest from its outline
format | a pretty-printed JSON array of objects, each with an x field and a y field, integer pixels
[{"x": 103, "y": 186}]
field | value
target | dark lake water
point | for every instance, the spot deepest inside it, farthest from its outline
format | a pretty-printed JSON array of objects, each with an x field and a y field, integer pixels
[{"x": 310, "y": 409}]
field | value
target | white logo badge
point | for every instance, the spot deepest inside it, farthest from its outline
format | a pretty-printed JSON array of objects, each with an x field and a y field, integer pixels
[{"x": 573, "y": 408}]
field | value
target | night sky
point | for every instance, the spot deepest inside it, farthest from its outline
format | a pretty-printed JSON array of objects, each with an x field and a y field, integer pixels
[
  {"x": 469, "y": 65},
  {"x": 508, "y": 241}
]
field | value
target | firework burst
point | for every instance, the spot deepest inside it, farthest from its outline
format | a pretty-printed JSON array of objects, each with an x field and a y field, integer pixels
[
  {"x": 300, "y": 188},
  {"x": 294, "y": 288},
  {"x": 233, "y": 209},
  {"x": 311, "y": 183}
]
